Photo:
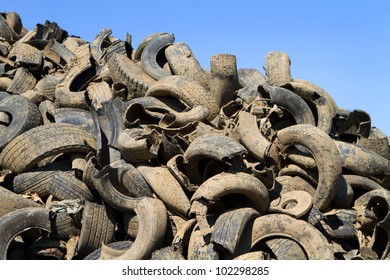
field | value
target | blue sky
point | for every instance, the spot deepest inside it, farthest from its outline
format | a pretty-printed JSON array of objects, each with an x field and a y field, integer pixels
[{"x": 342, "y": 46}]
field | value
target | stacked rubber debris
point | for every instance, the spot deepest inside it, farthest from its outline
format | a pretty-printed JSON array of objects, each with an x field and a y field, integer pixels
[{"x": 110, "y": 152}]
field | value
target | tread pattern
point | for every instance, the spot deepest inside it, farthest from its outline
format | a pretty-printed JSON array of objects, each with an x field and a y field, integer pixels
[
  {"x": 63, "y": 227},
  {"x": 25, "y": 115},
  {"x": 98, "y": 227},
  {"x": 22, "y": 81},
  {"x": 124, "y": 71},
  {"x": 36, "y": 181},
  {"x": 32, "y": 146},
  {"x": 277, "y": 66},
  {"x": 190, "y": 92},
  {"x": 64, "y": 185}
]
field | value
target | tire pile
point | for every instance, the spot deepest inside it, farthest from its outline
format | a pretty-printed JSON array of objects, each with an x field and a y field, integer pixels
[{"x": 110, "y": 152}]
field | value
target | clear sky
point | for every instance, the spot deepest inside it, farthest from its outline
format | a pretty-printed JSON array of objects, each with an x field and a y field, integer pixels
[{"x": 342, "y": 46}]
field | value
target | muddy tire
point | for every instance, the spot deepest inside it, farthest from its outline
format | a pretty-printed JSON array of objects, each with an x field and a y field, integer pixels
[
  {"x": 310, "y": 239},
  {"x": 21, "y": 220},
  {"x": 9, "y": 201},
  {"x": 24, "y": 116},
  {"x": 29, "y": 148},
  {"x": 97, "y": 227},
  {"x": 326, "y": 154},
  {"x": 277, "y": 67}
]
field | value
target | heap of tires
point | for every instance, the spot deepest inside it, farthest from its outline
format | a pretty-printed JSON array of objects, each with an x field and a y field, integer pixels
[{"x": 114, "y": 152}]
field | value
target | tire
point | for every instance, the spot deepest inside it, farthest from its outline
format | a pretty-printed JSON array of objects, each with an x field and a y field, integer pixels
[
  {"x": 252, "y": 191},
  {"x": 135, "y": 183},
  {"x": 324, "y": 104},
  {"x": 10, "y": 201},
  {"x": 124, "y": 71},
  {"x": 224, "y": 78},
  {"x": 74, "y": 116},
  {"x": 362, "y": 161},
  {"x": 24, "y": 115},
  {"x": 71, "y": 92},
  {"x": 326, "y": 154},
  {"x": 6, "y": 31},
  {"x": 149, "y": 56},
  {"x": 153, "y": 219},
  {"x": 64, "y": 185},
  {"x": 29, "y": 148},
  {"x": 19, "y": 221},
  {"x": 118, "y": 245},
  {"x": 167, "y": 253},
  {"x": 361, "y": 182},
  {"x": 140, "y": 48},
  {"x": 5, "y": 82},
  {"x": 166, "y": 188},
  {"x": 210, "y": 147},
  {"x": 286, "y": 249},
  {"x": 101, "y": 181},
  {"x": 14, "y": 22},
  {"x": 97, "y": 228},
  {"x": 35, "y": 181},
  {"x": 309, "y": 238},
  {"x": 229, "y": 227},
  {"x": 97, "y": 45},
  {"x": 183, "y": 62},
  {"x": 277, "y": 67},
  {"x": 26, "y": 56},
  {"x": 186, "y": 90},
  {"x": 290, "y": 102},
  {"x": 22, "y": 81},
  {"x": 63, "y": 227},
  {"x": 47, "y": 85},
  {"x": 250, "y": 77}
]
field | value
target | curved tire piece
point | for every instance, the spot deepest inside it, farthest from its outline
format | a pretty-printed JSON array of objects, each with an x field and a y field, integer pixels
[
  {"x": 362, "y": 161},
  {"x": 218, "y": 148},
  {"x": 182, "y": 61},
  {"x": 9, "y": 201},
  {"x": 250, "y": 135},
  {"x": 125, "y": 71},
  {"x": 326, "y": 154},
  {"x": 118, "y": 245},
  {"x": 19, "y": 221},
  {"x": 25, "y": 115},
  {"x": 97, "y": 227},
  {"x": 289, "y": 101},
  {"x": 167, "y": 188},
  {"x": 250, "y": 77},
  {"x": 29, "y": 148},
  {"x": 225, "y": 184},
  {"x": 149, "y": 56},
  {"x": 311, "y": 240},
  {"x": 153, "y": 219},
  {"x": 186, "y": 90},
  {"x": 325, "y": 106}
]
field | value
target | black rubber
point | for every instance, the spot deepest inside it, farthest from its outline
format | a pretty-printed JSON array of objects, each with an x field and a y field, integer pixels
[
  {"x": 97, "y": 227},
  {"x": 10, "y": 201},
  {"x": 29, "y": 148},
  {"x": 24, "y": 116},
  {"x": 19, "y": 221},
  {"x": 118, "y": 245},
  {"x": 149, "y": 56},
  {"x": 64, "y": 185},
  {"x": 289, "y": 101}
]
